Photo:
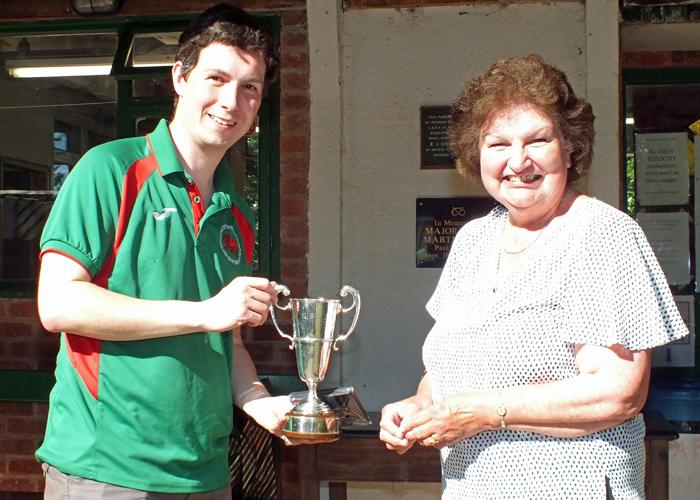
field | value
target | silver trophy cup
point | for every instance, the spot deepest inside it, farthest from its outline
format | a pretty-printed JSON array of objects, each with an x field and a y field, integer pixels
[{"x": 313, "y": 323}]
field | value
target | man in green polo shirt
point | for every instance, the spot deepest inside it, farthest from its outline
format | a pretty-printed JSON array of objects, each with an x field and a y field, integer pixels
[{"x": 146, "y": 259}]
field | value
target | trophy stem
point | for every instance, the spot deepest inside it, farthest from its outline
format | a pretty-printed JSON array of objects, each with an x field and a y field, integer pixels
[
  {"x": 313, "y": 405},
  {"x": 313, "y": 395}
]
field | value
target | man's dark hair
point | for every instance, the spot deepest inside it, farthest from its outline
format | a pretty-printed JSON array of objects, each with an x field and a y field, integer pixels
[{"x": 228, "y": 25}]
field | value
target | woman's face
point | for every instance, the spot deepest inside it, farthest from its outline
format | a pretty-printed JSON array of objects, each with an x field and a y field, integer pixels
[{"x": 524, "y": 163}]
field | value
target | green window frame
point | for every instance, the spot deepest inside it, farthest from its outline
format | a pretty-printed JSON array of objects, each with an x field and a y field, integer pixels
[{"x": 130, "y": 107}]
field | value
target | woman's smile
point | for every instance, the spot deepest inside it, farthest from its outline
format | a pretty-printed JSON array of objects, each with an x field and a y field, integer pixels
[{"x": 522, "y": 179}]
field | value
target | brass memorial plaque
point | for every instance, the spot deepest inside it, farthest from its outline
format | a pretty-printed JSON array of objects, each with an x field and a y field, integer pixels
[{"x": 437, "y": 223}]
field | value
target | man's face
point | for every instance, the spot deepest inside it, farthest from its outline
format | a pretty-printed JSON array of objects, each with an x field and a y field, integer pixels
[{"x": 220, "y": 97}]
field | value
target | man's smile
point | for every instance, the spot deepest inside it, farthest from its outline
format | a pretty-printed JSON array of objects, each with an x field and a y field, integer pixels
[{"x": 222, "y": 121}]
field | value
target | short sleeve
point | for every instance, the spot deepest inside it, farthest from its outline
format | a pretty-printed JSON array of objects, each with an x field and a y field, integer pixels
[
  {"x": 472, "y": 244},
  {"x": 615, "y": 290},
  {"x": 83, "y": 220}
]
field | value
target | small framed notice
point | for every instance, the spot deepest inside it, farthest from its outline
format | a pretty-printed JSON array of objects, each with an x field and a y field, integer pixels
[
  {"x": 434, "y": 149},
  {"x": 437, "y": 223},
  {"x": 662, "y": 169}
]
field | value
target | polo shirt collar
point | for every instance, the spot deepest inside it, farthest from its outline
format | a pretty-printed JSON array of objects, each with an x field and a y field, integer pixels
[{"x": 169, "y": 163}]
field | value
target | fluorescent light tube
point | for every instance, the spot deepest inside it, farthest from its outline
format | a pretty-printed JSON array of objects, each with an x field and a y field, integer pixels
[{"x": 42, "y": 68}]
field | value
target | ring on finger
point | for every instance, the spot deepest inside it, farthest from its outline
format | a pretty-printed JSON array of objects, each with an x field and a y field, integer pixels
[
  {"x": 286, "y": 440},
  {"x": 433, "y": 440}
]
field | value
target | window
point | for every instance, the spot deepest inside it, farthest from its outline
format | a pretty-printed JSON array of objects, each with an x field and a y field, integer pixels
[
  {"x": 662, "y": 184},
  {"x": 120, "y": 88}
]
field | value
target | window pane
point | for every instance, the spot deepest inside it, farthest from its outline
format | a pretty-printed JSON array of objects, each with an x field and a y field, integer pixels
[
  {"x": 153, "y": 88},
  {"x": 47, "y": 124},
  {"x": 154, "y": 49},
  {"x": 661, "y": 124}
]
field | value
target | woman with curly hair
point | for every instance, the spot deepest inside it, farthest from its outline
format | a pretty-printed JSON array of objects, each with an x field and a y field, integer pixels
[{"x": 538, "y": 363}]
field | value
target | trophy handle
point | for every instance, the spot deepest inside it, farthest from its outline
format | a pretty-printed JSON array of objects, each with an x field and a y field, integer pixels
[
  {"x": 355, "y": 305},
  {"x": 284, "y": 291}
]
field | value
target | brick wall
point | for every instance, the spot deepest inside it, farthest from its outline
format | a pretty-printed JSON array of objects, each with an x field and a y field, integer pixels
[
  {"x": 269, "y": 350},
  {"x": 660, "y": 59},
  {"x": 25, "y": 345}
]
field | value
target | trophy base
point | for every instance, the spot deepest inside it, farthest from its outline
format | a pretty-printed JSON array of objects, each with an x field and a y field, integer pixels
[{"x": 322, "y": 427}]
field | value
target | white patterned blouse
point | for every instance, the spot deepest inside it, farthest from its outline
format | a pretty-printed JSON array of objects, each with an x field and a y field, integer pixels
[{"x": 592, "y": 278}]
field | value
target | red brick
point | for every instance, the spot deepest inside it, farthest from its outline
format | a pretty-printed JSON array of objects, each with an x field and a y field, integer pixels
[
  {"x": 294, "y": 227},
  {"x": 10, "y": 484},
  {"x": 294, "y": 250},
  {"x": 15, "y": 329},
  {"x": 294, "y": 186},
  {"x": 685, "y": 58},
  {"x": 41, "y": 410},
  {"x": 268, "y": 332},
  {"x": 21, "y": 349},
  {"x": 293, "y": 268},
  {"x": 292, "y": 207},
  {"x": 295, "y": 122},
  {"x": 294, "y": 38},
  {"x": 25, "y": 427},
  {"x": 277, "y": 368},
  {"x": 17, "y": 365},
  {"x": 643, "y": 59},
  {"x": 289, "y": 101},
  {"x": 285, "y": 356},
  {"x": 17, "y": 446},
  {"x": 16, "y": 409},
  {"x": 295, "y": 144},
  {"x": 48, "y": 347},
  {"x": 46, "y": 364},
  {"x": 297, "y": 60},
  {"x": 295, "y": 273},
  {"x": 21, "y": 309},
  {"x": 294, "y": 165},
  {"x": 24, "y": 467},
  {"x": 293, "y": 18},
  {"x": 294, "y": 80},
  {"x": 41, "y": 332},
  {"x": 260, "y": 353}
]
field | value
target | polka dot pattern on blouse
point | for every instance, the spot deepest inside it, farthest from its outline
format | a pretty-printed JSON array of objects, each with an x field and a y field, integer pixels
[{"x": 591, "y": 278}]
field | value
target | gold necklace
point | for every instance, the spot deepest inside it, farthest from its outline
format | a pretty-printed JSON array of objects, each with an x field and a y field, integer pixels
[{"x": 541, "y": 230}]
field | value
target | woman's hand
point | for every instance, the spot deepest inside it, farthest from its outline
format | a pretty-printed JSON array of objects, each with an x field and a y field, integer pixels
[
  {"x": 453, "y": 419},
  {"x": 393, "y": 416}
]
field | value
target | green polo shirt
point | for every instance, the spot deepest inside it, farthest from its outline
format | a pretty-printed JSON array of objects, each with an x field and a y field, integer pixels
[{"x": 153, "y": 415}]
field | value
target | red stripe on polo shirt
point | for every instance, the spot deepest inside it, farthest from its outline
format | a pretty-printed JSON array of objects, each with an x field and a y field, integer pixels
[
  {"x": 197, "y": 205},
  {"x": 246, "y": 232},
  {"x": 84, "y": 355},
  {"x": 84, "y": 352}
]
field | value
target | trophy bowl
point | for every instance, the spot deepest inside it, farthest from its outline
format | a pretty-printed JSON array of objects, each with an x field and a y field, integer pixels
[{"x": 313, "y": 325}]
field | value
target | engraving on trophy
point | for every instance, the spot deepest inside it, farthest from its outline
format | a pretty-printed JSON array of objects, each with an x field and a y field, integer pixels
[{"x": 313, "y": 325}]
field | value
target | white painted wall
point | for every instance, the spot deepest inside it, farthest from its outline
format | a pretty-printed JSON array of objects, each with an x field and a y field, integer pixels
[{"x": 390, "y": 63}]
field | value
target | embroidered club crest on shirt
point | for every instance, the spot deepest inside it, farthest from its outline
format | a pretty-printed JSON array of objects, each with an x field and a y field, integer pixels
[{"x": 230, "y": 244}]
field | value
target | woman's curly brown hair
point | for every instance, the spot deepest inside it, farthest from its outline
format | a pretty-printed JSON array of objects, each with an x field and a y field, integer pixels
[{"x": 513, "y": 82}]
